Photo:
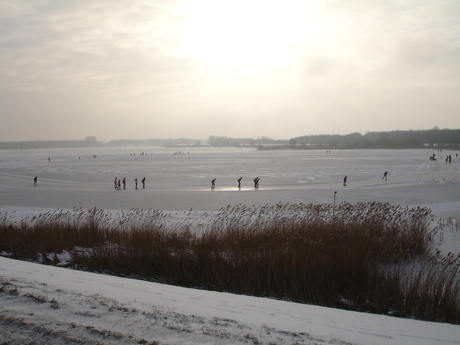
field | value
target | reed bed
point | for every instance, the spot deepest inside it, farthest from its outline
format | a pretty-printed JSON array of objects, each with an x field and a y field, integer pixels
[{"x": 371, "y": 257}]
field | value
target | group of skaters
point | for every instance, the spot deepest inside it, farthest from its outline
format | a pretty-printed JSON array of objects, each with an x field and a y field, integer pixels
[
  {"x": 118, "y": 182},
  {"x": 448, "y": 157},
  {"x": 385, "y": 177},
  {"x": 257, "y": 179},
  {"x": 256, "y": 182}
]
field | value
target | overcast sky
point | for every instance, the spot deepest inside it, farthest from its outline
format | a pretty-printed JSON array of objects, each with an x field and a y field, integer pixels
[{"x": 141, "y": 69}]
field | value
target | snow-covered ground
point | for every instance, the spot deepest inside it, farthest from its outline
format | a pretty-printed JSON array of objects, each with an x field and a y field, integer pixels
[{"x": 52, "y": 305}]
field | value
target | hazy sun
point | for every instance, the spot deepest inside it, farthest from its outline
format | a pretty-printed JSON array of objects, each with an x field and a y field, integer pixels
[{"x": 250, "y": 34}]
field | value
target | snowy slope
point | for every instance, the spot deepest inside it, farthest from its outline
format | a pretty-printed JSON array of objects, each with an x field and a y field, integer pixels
[{"x": 61, "y": 306}]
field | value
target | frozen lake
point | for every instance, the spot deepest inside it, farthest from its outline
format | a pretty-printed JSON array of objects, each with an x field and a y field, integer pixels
[{"x": 180, "y": 178}]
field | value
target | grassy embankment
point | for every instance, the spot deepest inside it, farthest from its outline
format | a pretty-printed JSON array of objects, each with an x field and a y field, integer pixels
[{"x": 370, "y": 257}]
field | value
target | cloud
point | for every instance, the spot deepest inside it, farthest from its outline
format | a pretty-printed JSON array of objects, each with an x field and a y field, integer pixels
[{"x": 177, "y": 66}]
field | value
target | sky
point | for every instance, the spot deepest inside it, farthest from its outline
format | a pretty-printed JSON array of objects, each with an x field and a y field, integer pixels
[{"x": 191, "y": 69}]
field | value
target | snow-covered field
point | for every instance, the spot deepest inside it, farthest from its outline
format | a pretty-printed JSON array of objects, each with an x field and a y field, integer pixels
[{"x": 52, "y": 305}]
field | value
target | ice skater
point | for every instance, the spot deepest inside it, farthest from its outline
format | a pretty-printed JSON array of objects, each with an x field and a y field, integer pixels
[
  {"x": 35, "y": 180},
  {"x": 213, "y": 183},
  {"x": 239, "y": 182},
  {"x": 135, "y": 182},
  {"x": 256, "y": 182},
  {"x": 345, "y": 181},
  {"x": 385, "y": 175},
  {"x": 119, "y": 185},
  {"x": 116, "y": 182},
  {"x": 143, "y": 182},
  {"x": 124, "y": 182}
]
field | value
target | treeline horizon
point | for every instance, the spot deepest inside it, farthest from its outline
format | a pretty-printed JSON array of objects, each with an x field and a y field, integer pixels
[
  {"x": 392, "y": 139},
  {"x": 396, "y": 139}
]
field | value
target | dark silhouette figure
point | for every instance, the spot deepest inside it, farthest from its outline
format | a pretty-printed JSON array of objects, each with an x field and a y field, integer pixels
[
  {"x": 385, "y": 175},
  {"x": 116, "y": 181},
  {"x": 35, "y": 180},
  {"x": 256, "y": 182},
  {"x": 143, "y": 182},
  {"x": 135, "y": 182},
  {"x": 239, "y": 182},
  {"x": 345, "y": 181},
  {"x": 124, "y": 182},
  {"x": 119, "y": 184},
  {"x": 213, "y": 183}
]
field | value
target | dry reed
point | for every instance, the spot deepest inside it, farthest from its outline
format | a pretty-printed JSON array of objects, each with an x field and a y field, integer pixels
[{"x": 371, "y": 257}]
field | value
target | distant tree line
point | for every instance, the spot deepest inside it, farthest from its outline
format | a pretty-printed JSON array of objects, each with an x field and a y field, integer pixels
[
  {"x": 392, "y": 139},
  {"x": 155, "y": 142},
  {"x": 377, "y": 140},
  {"x": 226, "y": 141},
  {"x": 90, "y": 141},
  {"x": 93, "y": 142}
]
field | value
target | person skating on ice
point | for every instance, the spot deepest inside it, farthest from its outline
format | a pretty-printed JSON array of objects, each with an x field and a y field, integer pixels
[{"x": 385, "y": 175}]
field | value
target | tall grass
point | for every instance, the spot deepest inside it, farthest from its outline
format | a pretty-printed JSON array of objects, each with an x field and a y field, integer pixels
[{"x": 367, "y": 256}]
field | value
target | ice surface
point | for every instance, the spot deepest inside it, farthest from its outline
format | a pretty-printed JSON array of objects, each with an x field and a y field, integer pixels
[{"x": 181, "y": 180}]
